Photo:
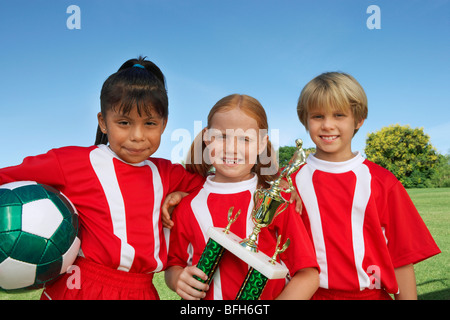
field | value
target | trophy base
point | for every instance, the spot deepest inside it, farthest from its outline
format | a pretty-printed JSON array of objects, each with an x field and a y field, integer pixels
[{"x": 256, "y": 260}]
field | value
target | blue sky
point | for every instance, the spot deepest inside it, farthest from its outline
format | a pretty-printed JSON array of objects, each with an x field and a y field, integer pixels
[{"x": 51, "y": 76}]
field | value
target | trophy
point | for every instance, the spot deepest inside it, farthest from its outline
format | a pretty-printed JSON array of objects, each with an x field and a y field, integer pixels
[{"x": 268, "y": 204}]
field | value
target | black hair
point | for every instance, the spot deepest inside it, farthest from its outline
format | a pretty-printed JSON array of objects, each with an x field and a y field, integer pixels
[{"x": 142, "y": 86}]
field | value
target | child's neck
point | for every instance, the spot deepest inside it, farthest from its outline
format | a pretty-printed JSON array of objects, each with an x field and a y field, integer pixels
[
  {"x": 225, "y": 179},
  {"x": 334, "y": 157}
]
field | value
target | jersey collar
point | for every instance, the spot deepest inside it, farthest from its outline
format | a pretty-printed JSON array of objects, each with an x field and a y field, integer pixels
[
  {"x": 335, "y": 167},
  {"x": 230, "y": 187}
]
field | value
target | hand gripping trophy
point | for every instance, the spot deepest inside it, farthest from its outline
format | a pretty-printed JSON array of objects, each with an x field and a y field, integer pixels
[{"x": 268, "y": 204}]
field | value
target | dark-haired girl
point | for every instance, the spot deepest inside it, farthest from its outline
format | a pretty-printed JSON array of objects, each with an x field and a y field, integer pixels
[{"x": 117, "y": 189}]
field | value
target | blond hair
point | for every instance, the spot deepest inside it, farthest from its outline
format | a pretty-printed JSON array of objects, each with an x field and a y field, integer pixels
[
  {"x": 251, "y": 107},
  {"x": 335, "y": 90}
]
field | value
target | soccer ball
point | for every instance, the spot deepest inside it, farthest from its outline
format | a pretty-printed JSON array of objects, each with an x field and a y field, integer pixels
[{"x": 38, "y": 234}]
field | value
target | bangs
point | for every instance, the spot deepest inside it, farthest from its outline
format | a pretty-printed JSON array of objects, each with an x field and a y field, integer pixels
[
  {"x": 323, "y": 99},
  {"x": 147, "y": 101},
  {"x": 247, "y": 104}
]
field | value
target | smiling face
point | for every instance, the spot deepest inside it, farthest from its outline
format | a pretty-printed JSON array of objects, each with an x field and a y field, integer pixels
[
  {"x": 332, "y": 107},
  {"x": 131, "y": 136},
  {"x": 332, "y": 131},
  {"x": 233, "y": 144}
]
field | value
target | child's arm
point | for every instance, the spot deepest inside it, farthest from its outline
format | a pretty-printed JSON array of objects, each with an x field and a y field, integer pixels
[
  {"x": 406, "y": 280},
  {"x": 182, "y": 180},
  {"x": 182, "y": 281},
  {"x": 167, "y": 207},
  {"x": 43, "y": 169},
  {"x": 298, "y": 201},
  {"x": 302, "y": 285},
  {"x": 181, "y": 183},
  {"x": 294, "y": 197}
]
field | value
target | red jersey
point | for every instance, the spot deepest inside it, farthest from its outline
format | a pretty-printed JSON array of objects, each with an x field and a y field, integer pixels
[
  {"x": 362, "y": 222},
  {"x": 208, "y": 207},
  {"x": 118, "y": 203}
]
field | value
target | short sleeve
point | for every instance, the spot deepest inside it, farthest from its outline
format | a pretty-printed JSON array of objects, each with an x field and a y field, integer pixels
[{"x": 408, "y": 238}]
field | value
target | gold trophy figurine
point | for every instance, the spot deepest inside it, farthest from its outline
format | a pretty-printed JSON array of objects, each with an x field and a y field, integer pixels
[{"x": 269, "y": 203}]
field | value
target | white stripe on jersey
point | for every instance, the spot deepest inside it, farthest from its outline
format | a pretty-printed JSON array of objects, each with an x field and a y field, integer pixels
[
  {"x": 103, "y": 165},
  {"x": 158, "y": 192},
  {"x": 201, "y": 212},
  {"x": 306, "y": 190},
  {"x": 360, "y": 200}
]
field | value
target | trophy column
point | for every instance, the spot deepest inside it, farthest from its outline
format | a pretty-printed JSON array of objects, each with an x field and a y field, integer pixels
[
  {"x": 253, "y": 286},
  {"x": 210, "y": 259},
  {"x": 255, "y": 282}
]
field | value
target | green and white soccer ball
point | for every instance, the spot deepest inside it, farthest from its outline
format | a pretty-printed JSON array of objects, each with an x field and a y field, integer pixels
[{"x": 38, "y": 234}]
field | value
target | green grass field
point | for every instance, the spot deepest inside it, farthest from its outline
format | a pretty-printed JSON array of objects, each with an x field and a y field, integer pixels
[
  {"x": 432, "y": 279},
  {"x": 431, "y": 275}
]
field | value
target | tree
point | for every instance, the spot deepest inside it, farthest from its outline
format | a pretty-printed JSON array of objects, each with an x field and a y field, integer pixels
[
  {"x": 285, "y": 154},
  {"x": 404, "y": 151},
  {"x": 441, "y": 175}
]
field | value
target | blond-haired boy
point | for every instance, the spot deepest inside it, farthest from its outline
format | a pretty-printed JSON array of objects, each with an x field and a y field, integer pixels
[{"x": 366, "y": 231}]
